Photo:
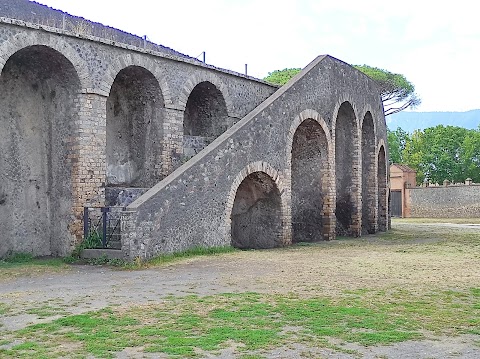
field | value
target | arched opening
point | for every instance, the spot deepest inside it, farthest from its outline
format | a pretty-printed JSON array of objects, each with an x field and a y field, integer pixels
[
  {"x": 135, "y": 110},
  {"x": 382, "y": 190},
  {"x": 256, "y": 214},
  {"x": 309, "y": 181},
  {"x": 38, "y": 88},
  {"x": 205, "y": 118},
  {"x": 368, "y": 175},
  {"x": 346, "y": 170}
]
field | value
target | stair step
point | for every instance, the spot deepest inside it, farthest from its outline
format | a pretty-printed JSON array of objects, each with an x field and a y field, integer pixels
[{"x": 99, "y": 253}]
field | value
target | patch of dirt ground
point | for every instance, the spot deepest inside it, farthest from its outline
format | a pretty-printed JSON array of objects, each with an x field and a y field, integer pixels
[{"x": 428, "y": 259}]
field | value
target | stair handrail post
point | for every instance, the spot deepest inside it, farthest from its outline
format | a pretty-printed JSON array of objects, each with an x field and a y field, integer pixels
[
  {"x": 86, "y": 228},
  {"x": 105, "y": 211}
]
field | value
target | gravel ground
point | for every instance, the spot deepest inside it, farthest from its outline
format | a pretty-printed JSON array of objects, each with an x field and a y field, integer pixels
[{"x": 326, "y": 268}]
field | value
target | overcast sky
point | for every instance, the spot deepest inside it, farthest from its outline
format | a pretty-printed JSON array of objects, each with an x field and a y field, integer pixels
[{"x": 436, "y": 45}]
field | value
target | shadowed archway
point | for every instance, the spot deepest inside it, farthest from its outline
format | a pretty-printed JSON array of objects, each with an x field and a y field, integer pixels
[
  {"x": 382, "y": 190},
  {"x": 39, "y": 88},
  {"x": 205, "y": 117},
  {"x": 257, "y": 215},
  {"x": 346, "y": 170},
  {"x": 135, "y": 111},
  {"x": 369, "y": 183},
  {"x": 310, "y": 173}
]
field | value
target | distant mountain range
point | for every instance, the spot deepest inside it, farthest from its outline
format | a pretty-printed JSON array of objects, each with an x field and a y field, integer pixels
[{"x": 410, "y": 121}]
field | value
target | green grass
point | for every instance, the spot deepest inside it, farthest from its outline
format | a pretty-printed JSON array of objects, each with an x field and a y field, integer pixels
[
  {"x": 27, "y": 259},
  {"x": 173, "y": 257},
  {"x": 160, "y": 260},
  {"x": 24, "y": 264},
  {"x": 4, "y": 308},
  {"x": 186, "y": 327},
  {"x": 437, "y": 220},
  {"x": 19, "y": 264},
  {"x": 45, "y": 311},
  {"x": 429, "y": 236},
  {"x": 253, "y": 323}
]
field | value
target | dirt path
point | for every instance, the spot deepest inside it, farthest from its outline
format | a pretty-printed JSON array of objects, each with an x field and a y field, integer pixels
[{"x": 322, "y": 269}]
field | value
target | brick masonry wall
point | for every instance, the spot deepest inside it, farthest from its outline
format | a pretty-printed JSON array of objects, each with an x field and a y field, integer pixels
[
  {"x": 88, "y": 157},
  {"x": 444, "y": 202}
]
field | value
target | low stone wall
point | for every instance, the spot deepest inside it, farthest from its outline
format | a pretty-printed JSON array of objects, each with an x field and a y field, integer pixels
[{"x": 459, "y": 201}]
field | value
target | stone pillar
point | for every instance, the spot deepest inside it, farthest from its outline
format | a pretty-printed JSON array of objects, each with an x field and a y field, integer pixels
[
  {"x": 329, "y": 219},
  {"x": 356, "y": 190},
  {"x": 88, "y": 157},
  {"x": 287, "y": 230},
  {"x": 129, "y": 235},
  {"x": 383, "y": 205},
  {"x": 172, "y": 140},
  {"x": 372, "y": 192},
  {"x": 370, "y": 202}
]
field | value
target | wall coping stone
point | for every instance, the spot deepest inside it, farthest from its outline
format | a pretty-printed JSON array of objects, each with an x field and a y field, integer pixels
[
  {"x": 443, "y": 187},
  {"x": 191, "y": 61}
]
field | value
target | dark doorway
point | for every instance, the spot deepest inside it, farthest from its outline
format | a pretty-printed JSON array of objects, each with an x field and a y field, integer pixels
[{"x": 396, "y": 203}]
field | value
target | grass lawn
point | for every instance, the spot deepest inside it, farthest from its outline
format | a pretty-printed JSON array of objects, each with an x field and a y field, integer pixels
[
  {"x": 437, "y": 220},
  {"x": 412, "y": 283},
  {"x": 21, "y": 265}
]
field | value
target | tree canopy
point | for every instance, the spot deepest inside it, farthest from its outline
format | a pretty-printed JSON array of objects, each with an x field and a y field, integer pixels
[
  {"x": 438, "y": 153},
  {"x": 396, "y": 91},
  {"x": 397, "y": 141},
  {"x": 281, "y": 77}
]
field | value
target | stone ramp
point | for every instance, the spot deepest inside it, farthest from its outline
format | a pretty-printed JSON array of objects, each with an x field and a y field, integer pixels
[{"x": 193, "y": 205}]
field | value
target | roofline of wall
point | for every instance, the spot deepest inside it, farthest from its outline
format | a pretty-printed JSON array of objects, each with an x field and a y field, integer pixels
[
  {"x": 442, "y": 186},
  {"x": 223, "y": 137},
  {"x": 190, "y": 61}
]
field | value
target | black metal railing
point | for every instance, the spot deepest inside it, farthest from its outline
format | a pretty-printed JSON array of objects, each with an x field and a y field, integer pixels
[{"x": 101, "y": 227}]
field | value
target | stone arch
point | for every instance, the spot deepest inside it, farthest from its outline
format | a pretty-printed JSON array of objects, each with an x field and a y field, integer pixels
[
  {"x": 346, "y": 136},
  {"x": 39, "y": 87},
  {"x": 304, "y": 115},
  {"x": 309, "y": 157},
  {"x": 197, "y": 79},
  {"x": 369, "y": 176},
  {"x": 251, "y": 193},
  {"x": 341, "y": 100},
  {"x": 257, "y": 213},
  {"x": 381, "y": 143},
  {"x": 139, "y": 61},
  {"x": 27, "y": 39},
  {"x": 382, "y": 188},
  {"x": 135, "y": 114},
  {"x": 367, "y": 109},
  {"x": 205, "y": 117}
]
